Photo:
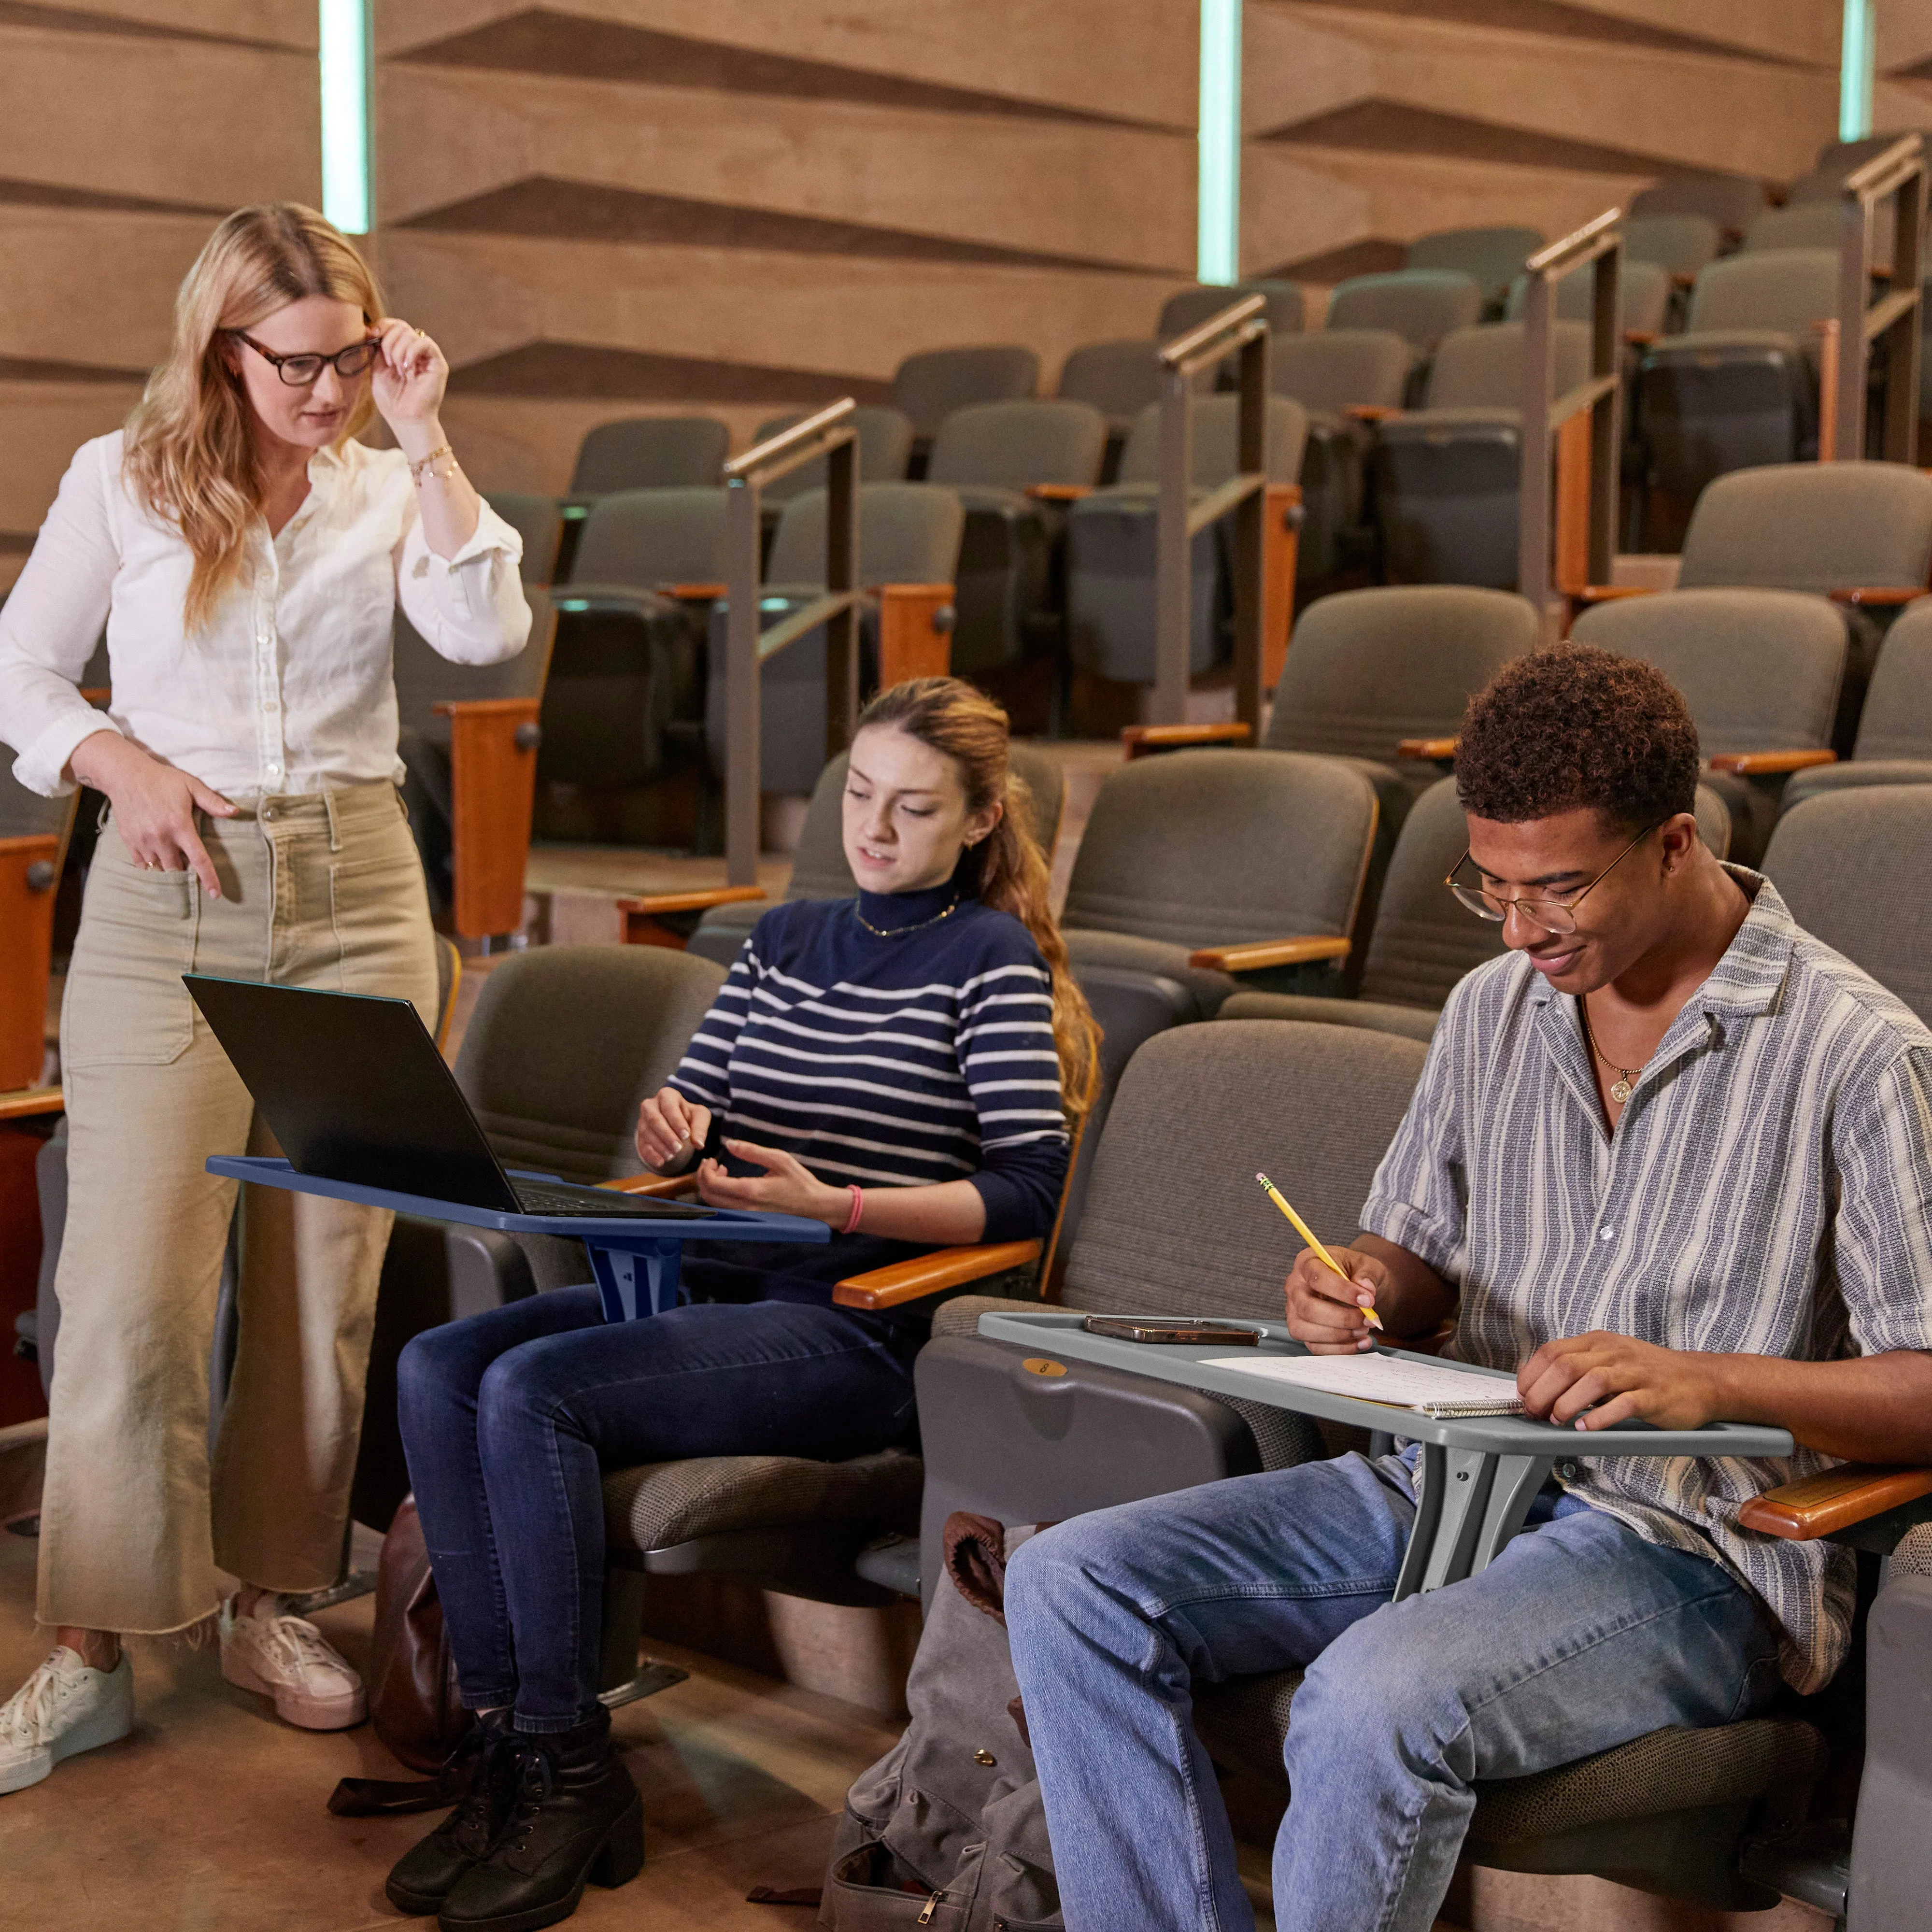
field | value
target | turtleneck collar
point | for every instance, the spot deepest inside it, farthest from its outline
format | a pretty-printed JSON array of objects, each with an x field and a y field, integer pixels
[{"x": 898, "y": 912}]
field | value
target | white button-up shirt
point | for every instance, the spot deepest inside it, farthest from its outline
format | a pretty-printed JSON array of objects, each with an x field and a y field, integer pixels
[{"x": 290, "y": 686}]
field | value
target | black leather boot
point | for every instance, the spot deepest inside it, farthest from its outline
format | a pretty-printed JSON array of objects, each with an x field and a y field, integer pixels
[
  {"x": 423, "y": 1876},
  {"x": 574, "y": 1815}
]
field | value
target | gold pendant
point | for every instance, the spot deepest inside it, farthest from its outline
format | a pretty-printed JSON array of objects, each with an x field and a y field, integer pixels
[{"x": 1620, "y": 1091}]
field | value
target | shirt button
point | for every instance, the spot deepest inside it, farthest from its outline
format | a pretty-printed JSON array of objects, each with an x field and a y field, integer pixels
[
  {"x": 269, "y": 704},
  {"x": 1606, "y": 1234}
]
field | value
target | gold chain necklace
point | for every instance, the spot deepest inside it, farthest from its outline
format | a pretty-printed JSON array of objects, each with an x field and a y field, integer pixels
[
  {"x": 893, "y": 931},
  {"x": 1620, "y": 1087}
]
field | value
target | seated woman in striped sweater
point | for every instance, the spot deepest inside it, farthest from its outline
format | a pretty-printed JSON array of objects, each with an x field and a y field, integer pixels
[{"x": 902, "y": 1067}]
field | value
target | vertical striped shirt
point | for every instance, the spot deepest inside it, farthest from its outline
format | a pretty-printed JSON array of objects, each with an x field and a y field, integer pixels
[
  {"x": 880, "y": 1045},
  {"x": 1767, "y": 1191}
]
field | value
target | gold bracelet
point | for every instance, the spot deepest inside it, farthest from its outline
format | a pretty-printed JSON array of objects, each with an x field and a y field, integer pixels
[{"x": 427, "y": 465}]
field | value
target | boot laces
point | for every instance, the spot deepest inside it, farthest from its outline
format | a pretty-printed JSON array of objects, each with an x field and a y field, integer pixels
[
  {"x": 27, "y": 1717},
  {"x": 536, "y": 1779}
]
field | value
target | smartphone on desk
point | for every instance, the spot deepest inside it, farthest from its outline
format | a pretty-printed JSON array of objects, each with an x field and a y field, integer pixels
[{"x": 1172, "y": 1328}]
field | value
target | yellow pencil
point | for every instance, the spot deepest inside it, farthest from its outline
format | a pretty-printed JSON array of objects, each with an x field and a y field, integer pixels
[{"x": 1307, "y": 1233}]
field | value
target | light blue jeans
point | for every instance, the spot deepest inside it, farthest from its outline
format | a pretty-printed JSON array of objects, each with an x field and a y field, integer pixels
[{"x": 1579, "y": 1635}]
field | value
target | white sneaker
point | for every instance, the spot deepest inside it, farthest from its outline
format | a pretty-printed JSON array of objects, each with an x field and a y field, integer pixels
[
  {"x": 288, "y": 1659},
  {"x": 65, "y": 1707}
]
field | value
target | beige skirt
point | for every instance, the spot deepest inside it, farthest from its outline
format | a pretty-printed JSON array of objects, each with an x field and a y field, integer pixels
[{"x": 320, "y": 890}]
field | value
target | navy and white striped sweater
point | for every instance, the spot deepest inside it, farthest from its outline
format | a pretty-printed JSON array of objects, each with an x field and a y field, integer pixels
[{"x": 924, "y": 1057}]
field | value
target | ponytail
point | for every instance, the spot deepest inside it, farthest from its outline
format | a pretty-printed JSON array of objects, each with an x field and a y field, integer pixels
[{"x": 1010, "y": 870}]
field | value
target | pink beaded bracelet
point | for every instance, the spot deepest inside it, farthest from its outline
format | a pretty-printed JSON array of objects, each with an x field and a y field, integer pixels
[{"x": 851, "y": 1226}]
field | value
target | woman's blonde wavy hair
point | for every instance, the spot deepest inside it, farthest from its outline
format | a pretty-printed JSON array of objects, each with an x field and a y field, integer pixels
[
  {"x": 1007, "y": 869},
  {"x": 189, "y": 451}
]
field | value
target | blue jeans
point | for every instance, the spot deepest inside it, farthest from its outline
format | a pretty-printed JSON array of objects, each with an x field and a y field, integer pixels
[
  {"x": 510, "y": 1418},
  {"x": 1579, "y": 1635}
]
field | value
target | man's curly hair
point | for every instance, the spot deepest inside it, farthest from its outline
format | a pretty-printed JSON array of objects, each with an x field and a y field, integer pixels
[{"x": 1576, "y": 726}]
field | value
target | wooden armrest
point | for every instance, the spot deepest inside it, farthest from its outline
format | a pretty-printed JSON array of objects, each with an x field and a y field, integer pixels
[
  {"x": 1878, "y": 596},
  {"x": 1682, "y": 278},
  {"x": 1256, "y": 955},
  {"x": 693, "y": 593},
  {"x": 1639, "y": 338},
  {"x": 915, "y": 623},
  {"x": 1059, "y": 493},
  {"x": 493, "y": 771},
  {"x": 1609, "y": 593},
  {"x": 1822, "y": 1505},
  {"x": 1426, "y": 747},
  {"x": 659, "y": 1187},
  {"x": 488, "y": 707},
  {"x": 26, "y": 1103},
  {"x": 98, "y": 695},
  {"x": 651, "y": 904},
  {"x": 1137, "y": 741},
  {"x": 928, "y": 1274},
  {"x": 1758, "y": 764},
  {"x": 1370, "y": 412}
]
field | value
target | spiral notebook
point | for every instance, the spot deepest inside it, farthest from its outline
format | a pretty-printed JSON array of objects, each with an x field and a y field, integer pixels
[{"x": 1431, "y": 1388}]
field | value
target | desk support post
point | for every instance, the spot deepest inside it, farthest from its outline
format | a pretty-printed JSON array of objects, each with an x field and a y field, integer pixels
[{"x": 1432, "y": 1476}]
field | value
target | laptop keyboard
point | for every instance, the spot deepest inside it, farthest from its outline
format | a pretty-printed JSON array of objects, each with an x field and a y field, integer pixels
[{"x": 537, "y": 1197}]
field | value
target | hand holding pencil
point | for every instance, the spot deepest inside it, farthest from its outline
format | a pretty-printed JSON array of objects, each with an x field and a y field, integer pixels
[{"x": 1316, "y": 1311}]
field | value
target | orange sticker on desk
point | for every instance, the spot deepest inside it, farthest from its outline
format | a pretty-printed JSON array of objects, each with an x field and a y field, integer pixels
[{"x": 1038, "y": 1365}]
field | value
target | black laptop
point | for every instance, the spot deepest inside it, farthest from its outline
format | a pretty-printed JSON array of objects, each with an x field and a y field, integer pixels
[{"x": 353, "y": 1088}]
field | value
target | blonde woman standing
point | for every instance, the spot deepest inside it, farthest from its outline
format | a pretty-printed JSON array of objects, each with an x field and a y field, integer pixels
[{"x": 246, "y": 557}]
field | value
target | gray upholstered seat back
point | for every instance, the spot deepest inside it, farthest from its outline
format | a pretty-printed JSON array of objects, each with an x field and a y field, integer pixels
[
  {"x": 928, "y": 387},
  {"x": 566, "y": 1043},
  {"x": 1728, "y": 200},
  {"x": 1802, "y": 224},
  {"x": 1760, "y": 669},
  {"x": 1482, "y": 368},
  {"x": 425, "y": 680},
  {"x": 1644, "y": 294},
  {"x": 1120, "y": 378},
  {"x": 1678, "y": 244},
  {"x": 1822, "y": 526},
  {"x": 25, "y": 813},
  {"x": 1188, "y": 308},
  {"x": 1210, "y": 847},
  {"x": 651, "y": 453},
  {"x": 1421, "y": 305},
  {"x": 1007, "y": 446},
  {"x": 645, "y": 538},
  {"x": 1897, "y": 721},
  {"x": 1491, "y": 257},
  {"x": 1783, "y": 290},
  {"x": 885, "y": 442},
  {"x": 1330, "y": 369},
  {"x": 1216, "y": 442},
  {"x": 1425, "y": 940},
  {"x": 819, "y": 870},
  {"x": 1368, "y": 668},
  {"x": 1173, "y": 1219},
  {"x": 908, "y": 533},
  {"x": 538, "y": 521},
  {"x": 1852, "y": 866}
]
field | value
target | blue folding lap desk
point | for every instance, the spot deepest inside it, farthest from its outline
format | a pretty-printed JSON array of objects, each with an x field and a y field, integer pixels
[
  {"x": 635, "y": 1261},
  {"x": 1479, "y": 1475}
]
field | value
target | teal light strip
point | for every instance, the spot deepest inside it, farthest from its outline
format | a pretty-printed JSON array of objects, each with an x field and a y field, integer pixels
[
  {"x": 1218, "y": 205},
  {"x": 1858, "y": 58},
  {"x": 347, "y": 198}
]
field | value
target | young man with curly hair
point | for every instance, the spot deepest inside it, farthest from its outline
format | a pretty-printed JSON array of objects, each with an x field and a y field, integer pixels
[{"x": 1670, "y": 1158}]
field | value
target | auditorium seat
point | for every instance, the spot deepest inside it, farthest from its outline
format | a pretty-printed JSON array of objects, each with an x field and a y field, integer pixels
[
  {"x": 651, "y": 453},
  {"x": 1679, "y": 244},
  {"x": 1421, "y": 305},
  {"x": 1801, "y": 224},
  {"x": 1188, "y": 308},
  {"x": 1119, "y": 379},
  {"x": 1111, "y": 540},
  {"x": 1739, "y": 387},
  {"x": 468, "y": 739},
  {"x": 1852, "y": 866},
  {"x": 885, "y": 443},
  {"x": 1491, "y": 257},
  {"x": 33, "y": 835},
  {"x": 929, "y": 386},
  {"x": 819, "y": 870},
  {"x": 1424, "y": 939},
  {"x": 1894, "y": 745},
  {"x": 1728, "y": 200},
  {"x": 1014, "y": 467},
  {"x": 1214, "y": 868},
  {"x": 909, "y": 536},
  {"x": 631, "y": 629},
  {"x": 1644, "y": 297},
  {"x": 564, "y": 1044},
  {"x": 1342, "y": 377},
  {"x": 1448, "y": 475},
  {"x": 1761, "y": 671},
  {"x": 538, "y": 521}
]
